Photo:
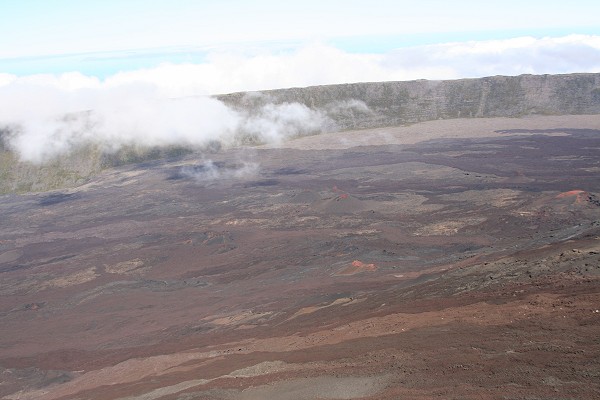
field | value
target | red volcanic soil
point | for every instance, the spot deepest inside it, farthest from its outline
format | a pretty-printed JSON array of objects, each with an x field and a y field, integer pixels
[
  {"x": 356, "y": 267},
  {"x": 570, "y": 193},
  {"x": 580, "y": 196},
  {"x": 434, "y": 274}
]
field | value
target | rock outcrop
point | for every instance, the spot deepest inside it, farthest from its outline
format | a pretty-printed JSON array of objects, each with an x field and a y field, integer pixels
[{"x": 379, "y": 104}]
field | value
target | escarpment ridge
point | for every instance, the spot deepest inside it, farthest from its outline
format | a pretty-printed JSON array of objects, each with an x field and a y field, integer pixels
[
  {"x": 283, "y": 114},
  {"x": 380, "y": 104}
]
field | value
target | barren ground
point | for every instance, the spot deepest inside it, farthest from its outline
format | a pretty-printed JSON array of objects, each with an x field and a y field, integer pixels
[{"x": 453, "y": 259}]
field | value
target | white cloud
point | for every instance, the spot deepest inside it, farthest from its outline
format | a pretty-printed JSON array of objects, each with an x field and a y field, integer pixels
[
  {"x": 525, "y": 55},
  {"x": 208, "y": 171},
  {"x": 5, "y": 79},
  {"x": 47, "y": 120},
  {"x": 316, "y": 64},
  {"x": 168, "y": 104},
  {"x": 276, "y": 122}
]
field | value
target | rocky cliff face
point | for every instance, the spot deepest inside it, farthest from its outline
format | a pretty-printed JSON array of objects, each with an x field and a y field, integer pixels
[
  {"x": 348, "y": 106},
  {"x": 397, "y": 103}
]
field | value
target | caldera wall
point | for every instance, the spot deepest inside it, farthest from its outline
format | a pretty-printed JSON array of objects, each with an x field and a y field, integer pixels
[
  {"x": 342, "y": 107},
  {"x": 398, "y": 103}
]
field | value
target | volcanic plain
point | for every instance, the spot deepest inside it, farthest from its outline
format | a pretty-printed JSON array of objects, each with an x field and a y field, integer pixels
[{"x": 454, "y": 259}]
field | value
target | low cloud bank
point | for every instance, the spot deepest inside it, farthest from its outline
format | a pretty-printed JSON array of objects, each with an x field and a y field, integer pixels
[
  {"x": 45, "y": 116},
  {"x": 139, "y": 116}
]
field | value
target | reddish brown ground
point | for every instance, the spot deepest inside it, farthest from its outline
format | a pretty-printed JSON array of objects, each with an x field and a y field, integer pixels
[
  {"x": 581, "y": 197},
  {"x": 460, "y": 269},
  {"x": 356, "y": 267}
]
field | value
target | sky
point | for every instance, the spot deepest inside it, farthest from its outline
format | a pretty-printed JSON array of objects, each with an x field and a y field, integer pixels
[
  {"x": 102, "y": 38},
  {"x": 65, "y": 56},
  {"x": 42, "y": 27}
]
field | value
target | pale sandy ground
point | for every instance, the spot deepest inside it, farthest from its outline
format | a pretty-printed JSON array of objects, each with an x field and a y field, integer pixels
[{"x": 442, "y": 129}]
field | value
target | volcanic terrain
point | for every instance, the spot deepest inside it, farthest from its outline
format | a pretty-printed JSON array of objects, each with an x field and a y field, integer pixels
[{"x": 452, "y": 259}]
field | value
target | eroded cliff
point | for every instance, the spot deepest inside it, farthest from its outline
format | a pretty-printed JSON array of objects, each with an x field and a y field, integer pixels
[{"x": 342, "y": 107}]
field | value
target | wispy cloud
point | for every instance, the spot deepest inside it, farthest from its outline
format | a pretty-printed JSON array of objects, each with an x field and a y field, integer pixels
[
  {"x": 230, "y": 71},
  {"x": 169, "y": 104}
]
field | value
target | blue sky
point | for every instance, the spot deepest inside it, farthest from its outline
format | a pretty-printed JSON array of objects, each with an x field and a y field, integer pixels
[{"x": 101, "y": 38}]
